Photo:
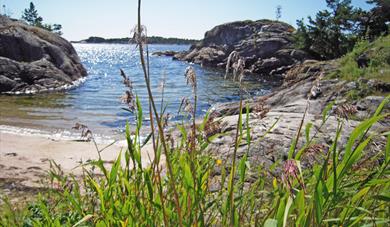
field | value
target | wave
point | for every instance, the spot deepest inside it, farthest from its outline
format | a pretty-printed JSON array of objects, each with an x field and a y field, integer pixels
[{"x": 58, "y": 134}]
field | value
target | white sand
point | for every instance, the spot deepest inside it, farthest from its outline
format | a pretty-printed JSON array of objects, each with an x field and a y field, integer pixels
[{"x": 25, "y": 158}]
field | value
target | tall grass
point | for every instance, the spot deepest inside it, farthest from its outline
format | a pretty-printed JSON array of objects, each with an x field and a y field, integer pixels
[
  {"x": 181, "y": 186},
  {"x": 378, "y": 61}
]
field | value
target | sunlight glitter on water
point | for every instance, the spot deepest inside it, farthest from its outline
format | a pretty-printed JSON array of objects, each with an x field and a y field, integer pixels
[{"x": 96, "y": 102}]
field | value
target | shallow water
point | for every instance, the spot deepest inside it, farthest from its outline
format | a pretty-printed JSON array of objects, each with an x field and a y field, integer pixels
[{"x": 97, "y": 103}]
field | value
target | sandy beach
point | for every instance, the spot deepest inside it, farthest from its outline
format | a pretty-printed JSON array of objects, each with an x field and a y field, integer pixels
[{"x": 25, "y": 159}]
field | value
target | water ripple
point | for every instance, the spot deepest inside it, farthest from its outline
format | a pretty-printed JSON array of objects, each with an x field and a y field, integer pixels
[{"x": 96, "y": 102}]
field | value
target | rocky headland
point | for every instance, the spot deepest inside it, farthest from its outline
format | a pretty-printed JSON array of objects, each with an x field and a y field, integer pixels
[
  {"x": 266, "y": 46},
  {"x": 275, "y": 119},
  {"x": 35, "y": 60},
  {"x": 308, "y": 87}
]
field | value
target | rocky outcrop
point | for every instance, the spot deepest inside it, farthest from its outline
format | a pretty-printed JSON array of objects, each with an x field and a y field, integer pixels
[
  {"x": 265, "y": 45},
  {"x": 168, "y": 53},
  {"x": 34, "y": 60},
  {"x": 275, "y": 119}
]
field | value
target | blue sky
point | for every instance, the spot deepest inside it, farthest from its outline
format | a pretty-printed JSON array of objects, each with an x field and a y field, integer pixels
[{"x": 169, "y": 18}]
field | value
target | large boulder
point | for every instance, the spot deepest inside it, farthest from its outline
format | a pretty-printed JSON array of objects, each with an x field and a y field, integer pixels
[
  {"x": 266, "y": 46},
  {"x": 33, "y": 59}
]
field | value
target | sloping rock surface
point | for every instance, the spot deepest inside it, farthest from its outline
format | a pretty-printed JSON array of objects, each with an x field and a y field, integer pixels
[
  {"x": 275, "y": 119},
  {"x": 33, "y": 59}
]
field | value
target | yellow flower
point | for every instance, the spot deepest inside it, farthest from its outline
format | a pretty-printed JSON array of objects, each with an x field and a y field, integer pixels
[{"x": 218, "y": 162}]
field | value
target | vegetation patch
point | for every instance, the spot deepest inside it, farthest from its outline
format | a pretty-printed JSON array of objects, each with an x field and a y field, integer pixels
[{"x": 377, "y": 57}]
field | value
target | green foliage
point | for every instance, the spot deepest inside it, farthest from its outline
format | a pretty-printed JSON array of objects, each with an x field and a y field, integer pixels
[
  {"x": 334, "y": 192},
  {"x": 376, "y": 20},
  {"x": 30, "y": 15},
  {"x": 180, "y": 187},
  {"x": 378, "y": 55},
  {"x": 334, "y": 32}
]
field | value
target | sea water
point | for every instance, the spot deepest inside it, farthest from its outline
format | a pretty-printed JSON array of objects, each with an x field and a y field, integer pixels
[{"x": 97, "y": 101}]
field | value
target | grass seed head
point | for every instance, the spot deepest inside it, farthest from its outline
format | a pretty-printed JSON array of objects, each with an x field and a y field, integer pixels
[
  {"x": 233, "y": 57},
  {"x": 139, "y": 35},
  {"x": 237, "y": 63},
  {"x": 128, "y": 98},
  {"x": 190, "y": 76},
  {"x": 186, "y": 106},
  {"x": 345, "y": 110}
]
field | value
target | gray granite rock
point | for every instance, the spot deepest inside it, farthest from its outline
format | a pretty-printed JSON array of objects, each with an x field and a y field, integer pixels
[
  {"x": 33, "y": 59},
  {"x": 265, "y": 45}
]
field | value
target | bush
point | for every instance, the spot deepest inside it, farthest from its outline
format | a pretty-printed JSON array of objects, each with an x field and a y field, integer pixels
[{"x": 378, "y": 57}]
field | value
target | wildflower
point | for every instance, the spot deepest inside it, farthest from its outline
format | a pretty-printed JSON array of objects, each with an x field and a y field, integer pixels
[{"x": 218, "y": 162}]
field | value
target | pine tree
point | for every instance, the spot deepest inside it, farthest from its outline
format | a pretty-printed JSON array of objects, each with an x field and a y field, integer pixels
[
  {"x": 30, "y": 15},
  {"x": 376, "y": 21},
  {"x": 334, "y": 32}
]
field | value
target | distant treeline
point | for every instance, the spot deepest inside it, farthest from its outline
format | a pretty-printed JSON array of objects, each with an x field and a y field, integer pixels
[{"x": 151, "y": 40}]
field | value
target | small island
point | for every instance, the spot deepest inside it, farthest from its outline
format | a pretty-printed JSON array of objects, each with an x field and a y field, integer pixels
[{"x": 150, "y": 39}]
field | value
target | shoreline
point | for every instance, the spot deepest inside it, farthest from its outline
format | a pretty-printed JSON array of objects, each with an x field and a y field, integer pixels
[
  {"x": 25, "y": 159},
  {"x": 59, "y": 133}
]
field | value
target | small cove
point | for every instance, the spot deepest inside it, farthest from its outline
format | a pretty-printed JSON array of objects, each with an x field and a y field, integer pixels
[{"x": 97, "y": 103}]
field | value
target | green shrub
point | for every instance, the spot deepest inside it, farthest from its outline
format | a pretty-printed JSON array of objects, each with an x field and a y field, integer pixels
[{"x": 378, "y": 54}]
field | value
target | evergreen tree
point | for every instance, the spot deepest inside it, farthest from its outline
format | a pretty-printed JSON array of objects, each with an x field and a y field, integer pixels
[
  {"x": 30, "y": 15},
  {"x": 57, "y": 29},
  {"x": 334, "y": 31},
  {"x": 376, "y": 21}
]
